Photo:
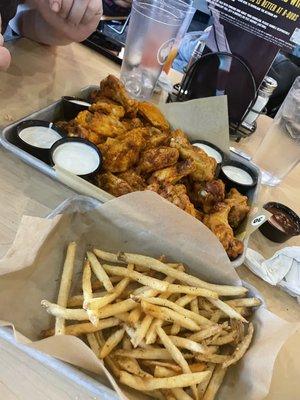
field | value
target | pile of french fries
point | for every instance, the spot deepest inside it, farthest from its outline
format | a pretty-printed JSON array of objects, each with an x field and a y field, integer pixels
[{"x": 158, "y": 329}]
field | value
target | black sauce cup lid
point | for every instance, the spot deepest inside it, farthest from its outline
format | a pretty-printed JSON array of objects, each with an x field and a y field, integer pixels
[
  {"x": 83, "y": 141},
  {"x": 231, "y": 182}
]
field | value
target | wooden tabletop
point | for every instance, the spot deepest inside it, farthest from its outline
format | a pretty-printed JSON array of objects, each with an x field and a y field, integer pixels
[{"x": 38, "y": 76}]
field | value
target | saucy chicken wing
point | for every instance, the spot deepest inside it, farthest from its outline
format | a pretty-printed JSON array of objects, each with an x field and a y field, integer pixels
[
  {"x": 176, "y": 194},
  {"x": 157, "y": 158},
  {"x": 217, "y": 222},
  {"x": 207, "y": 195},
  {"x": 153, "y": 115},
  {"x": 113, "y": 88},
  {"x": 205, "y": 165},
  {"x": 238, "y": 207},
  {"x": 173, "y": 174}
]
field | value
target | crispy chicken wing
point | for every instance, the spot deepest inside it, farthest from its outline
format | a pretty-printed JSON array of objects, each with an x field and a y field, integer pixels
[
  {"x": 122, "y": 153},
  {"x": 239, "y": 207},
  {"x": 176, "y": 194},
  {"x": 113, "y": 184},
  {"x": 180, "y": 138},
  {"x": 135, "y": 181},
  {"x": 173, "y": 174},
  {"x": 154, "y": 137},
  {"x": 73, "y": 129},
  {"x": 113, "y": 88},
  {"x": 207, "y": 195},
  {"x": 205, "y": 165},
  {"x": 101, "y": 124},
  {"x": 153, "y": 115},
  {"x": 217, "y": 222},
  {"x": 132, "y": 123},
  {"x": 103, "y": 107},
  {"x": 157, "y": 158}
]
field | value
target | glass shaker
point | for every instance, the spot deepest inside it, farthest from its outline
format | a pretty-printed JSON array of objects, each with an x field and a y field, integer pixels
[{"x": 279, "y": 151}]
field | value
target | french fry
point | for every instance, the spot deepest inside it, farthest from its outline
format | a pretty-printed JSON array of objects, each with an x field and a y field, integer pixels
[
  {"x": 96, "y": 284},
  {"x": 163, "y": 372},
  {"x": 188, "y": 344},
  {"x": 168, "y": 395},
  {"x": 180, "y": 394},
  {"x": 198, "y": 367},
  {"x": 215, "y": 383},
  {"x": 221, "y": 340},
  {"x": 241, "y": 348},
  {"x": 155, "y": 394},
  {"x": 183, "y": 380},
  {"x": 174, "y": 367},
  {"x": 227, "y": 309},
  {"x": 176, "y": 354},
  {"x": 192, "y": 290},
  {"x": 84, "y": 328},
  {"x": 142, "y": 330},
  {"x": 132, "y": 366},
  {"x": 99, "y": 302},
  {"x": 156, "y": 284},
  {"x": 116, "y": 308},
  {"x": 87, "y": 290},
  {"x": 203, "y": 385},
  {"x": 99, "y": 271},
  {"x": 112, "y": 342},
  {"x": 194, "y": 306},
  {"x": 152, "y": 263},
  {"x": 64, "y": 313},
  {"x": 169, "y": 315},
  {"x": 205, "y": 333},
  {"x": 184, "y": 300},
  {"x": 246, "y": 302},
  {"x": 94, "y": 345},
  {"x": 148, "y": 354},
  {"x": 134, "y": 315},
  {"x": 77, "y": 300},
  {"x": 65, "y": 286},
  {"x": 151, "y": 334},
  {"x": 108, "y": 360},
  {"x": 212, "y": 358},
  {"x": 183, "y": 311}
]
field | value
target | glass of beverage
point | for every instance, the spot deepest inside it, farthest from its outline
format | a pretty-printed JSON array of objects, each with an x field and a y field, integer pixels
[
  {"x": 152, "y": 31},
  {"x": 279, "y": 151}
]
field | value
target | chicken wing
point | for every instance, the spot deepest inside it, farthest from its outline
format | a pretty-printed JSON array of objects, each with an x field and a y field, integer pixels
[
  {"x": 176, "y": 194},
  {"x": 132, "y": 123},
  {"x": 154, "y": 137},
  {"x": 135, "y": 181},
  {"x": 113, "y": 184},
  {"x": 239, "y": 207},
  {"x": 153, "y": 115},
  {"x": 101, "y": 124},
  {"x": 205, "y": 165},
  {"x": 122, "y": 153},
  {"x": 113, "y": 88},
  {"x": 180, "y": 137},
  {"x": 217, "y": 222},
  {"x": 157, "y": 158},
  {"x": 173, "y": 174},
  {"x": 103, "y": 107},
  {"x": 73, "y": 129},
  {"x": 207, "y": 195}
]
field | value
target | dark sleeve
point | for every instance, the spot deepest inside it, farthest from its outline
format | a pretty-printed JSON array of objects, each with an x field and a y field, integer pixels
[{"x": 8, "y": 10}]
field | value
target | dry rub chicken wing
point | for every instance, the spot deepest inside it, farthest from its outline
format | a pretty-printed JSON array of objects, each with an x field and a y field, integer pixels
[
  {"x": 103, "y": 107},
  {"x": 153, "y": 115},
  {"x": 176, "y": 194},
  {"x": 205, "y": 165},
  {"x": 112, "y": 88},
  {"x": 180, "y": 138},
  {"x": 132, "y": 123},
  {"x": 154, "y": 137},
  {"x": 207, "y": 195},
  {"x": 173, "y": 174},
  {"x": 73, "y": 129},
  {"x": 135, "y": 181},
  {"x": 113, "y": 184},
  {"x": 217, "y": 222},
  {"x": 101, "y": 124},
  {"x": 157, "y": 158},
  {"x": 122, "y": 153},
  {"x": 239, "y": 207}
]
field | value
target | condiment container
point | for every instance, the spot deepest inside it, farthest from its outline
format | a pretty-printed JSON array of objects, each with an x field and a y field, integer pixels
[
  {"x": 78, "y": 156},
  {"x": 73, "y": 105},
  {"x": 237, "y": 175},
  {"x": 210, "y": 149},
  {"x": 283, "y": 224},
  {"x": 37, "y": 137}
]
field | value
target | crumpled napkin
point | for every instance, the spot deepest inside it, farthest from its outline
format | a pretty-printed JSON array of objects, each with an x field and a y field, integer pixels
[{"x": 283, "y": 269}]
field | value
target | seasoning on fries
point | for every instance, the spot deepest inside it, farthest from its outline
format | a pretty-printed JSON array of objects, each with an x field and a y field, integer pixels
[{"x": 158, "y": 329}]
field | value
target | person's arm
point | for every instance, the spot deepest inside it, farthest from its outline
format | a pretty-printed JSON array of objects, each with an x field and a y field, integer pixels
[{"x": 59, "y": 22}]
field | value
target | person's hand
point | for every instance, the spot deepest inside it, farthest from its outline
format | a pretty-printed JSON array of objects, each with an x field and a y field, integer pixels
[
  {"x": 5, "y": 57},
  {"x": 76, "y": 19}
]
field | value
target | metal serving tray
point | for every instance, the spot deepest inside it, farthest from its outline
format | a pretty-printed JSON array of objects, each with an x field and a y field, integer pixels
[{"x": 54, "y": 112}]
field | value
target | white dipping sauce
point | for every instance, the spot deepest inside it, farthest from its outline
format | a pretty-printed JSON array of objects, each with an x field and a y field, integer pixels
[
  {"x": 75, "y": 157},
  {"x": 237, "y": 174},
  {"x": 210, "y": 151},
  {"x": 39, "y": 136},
  {"x": 80, "y": 102}
]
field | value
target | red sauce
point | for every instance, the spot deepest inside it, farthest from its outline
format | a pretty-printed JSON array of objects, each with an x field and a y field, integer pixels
[{"x": 282, "y": 220}]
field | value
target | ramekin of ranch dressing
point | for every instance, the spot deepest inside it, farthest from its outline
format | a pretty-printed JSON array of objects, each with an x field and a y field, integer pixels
[
  {"x": 236, "y": 174},
  {"x": 210, "y": 150}
]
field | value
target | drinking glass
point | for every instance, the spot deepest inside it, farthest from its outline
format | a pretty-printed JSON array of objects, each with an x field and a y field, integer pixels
[
  {"x": 279, "y": 151},
  {"x": 152, "y": 31}
]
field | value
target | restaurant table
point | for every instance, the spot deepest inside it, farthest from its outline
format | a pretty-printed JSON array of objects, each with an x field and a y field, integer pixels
[{"x": 38, "y": 76}]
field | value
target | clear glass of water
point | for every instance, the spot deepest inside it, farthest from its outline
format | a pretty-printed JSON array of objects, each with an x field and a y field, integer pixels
[
  {"x": 152, "y": 31},
  {"x": 279, "y": 151}
]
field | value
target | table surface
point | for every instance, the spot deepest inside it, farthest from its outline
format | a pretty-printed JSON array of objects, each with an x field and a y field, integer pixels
[{"x": 38, "y": 76}]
